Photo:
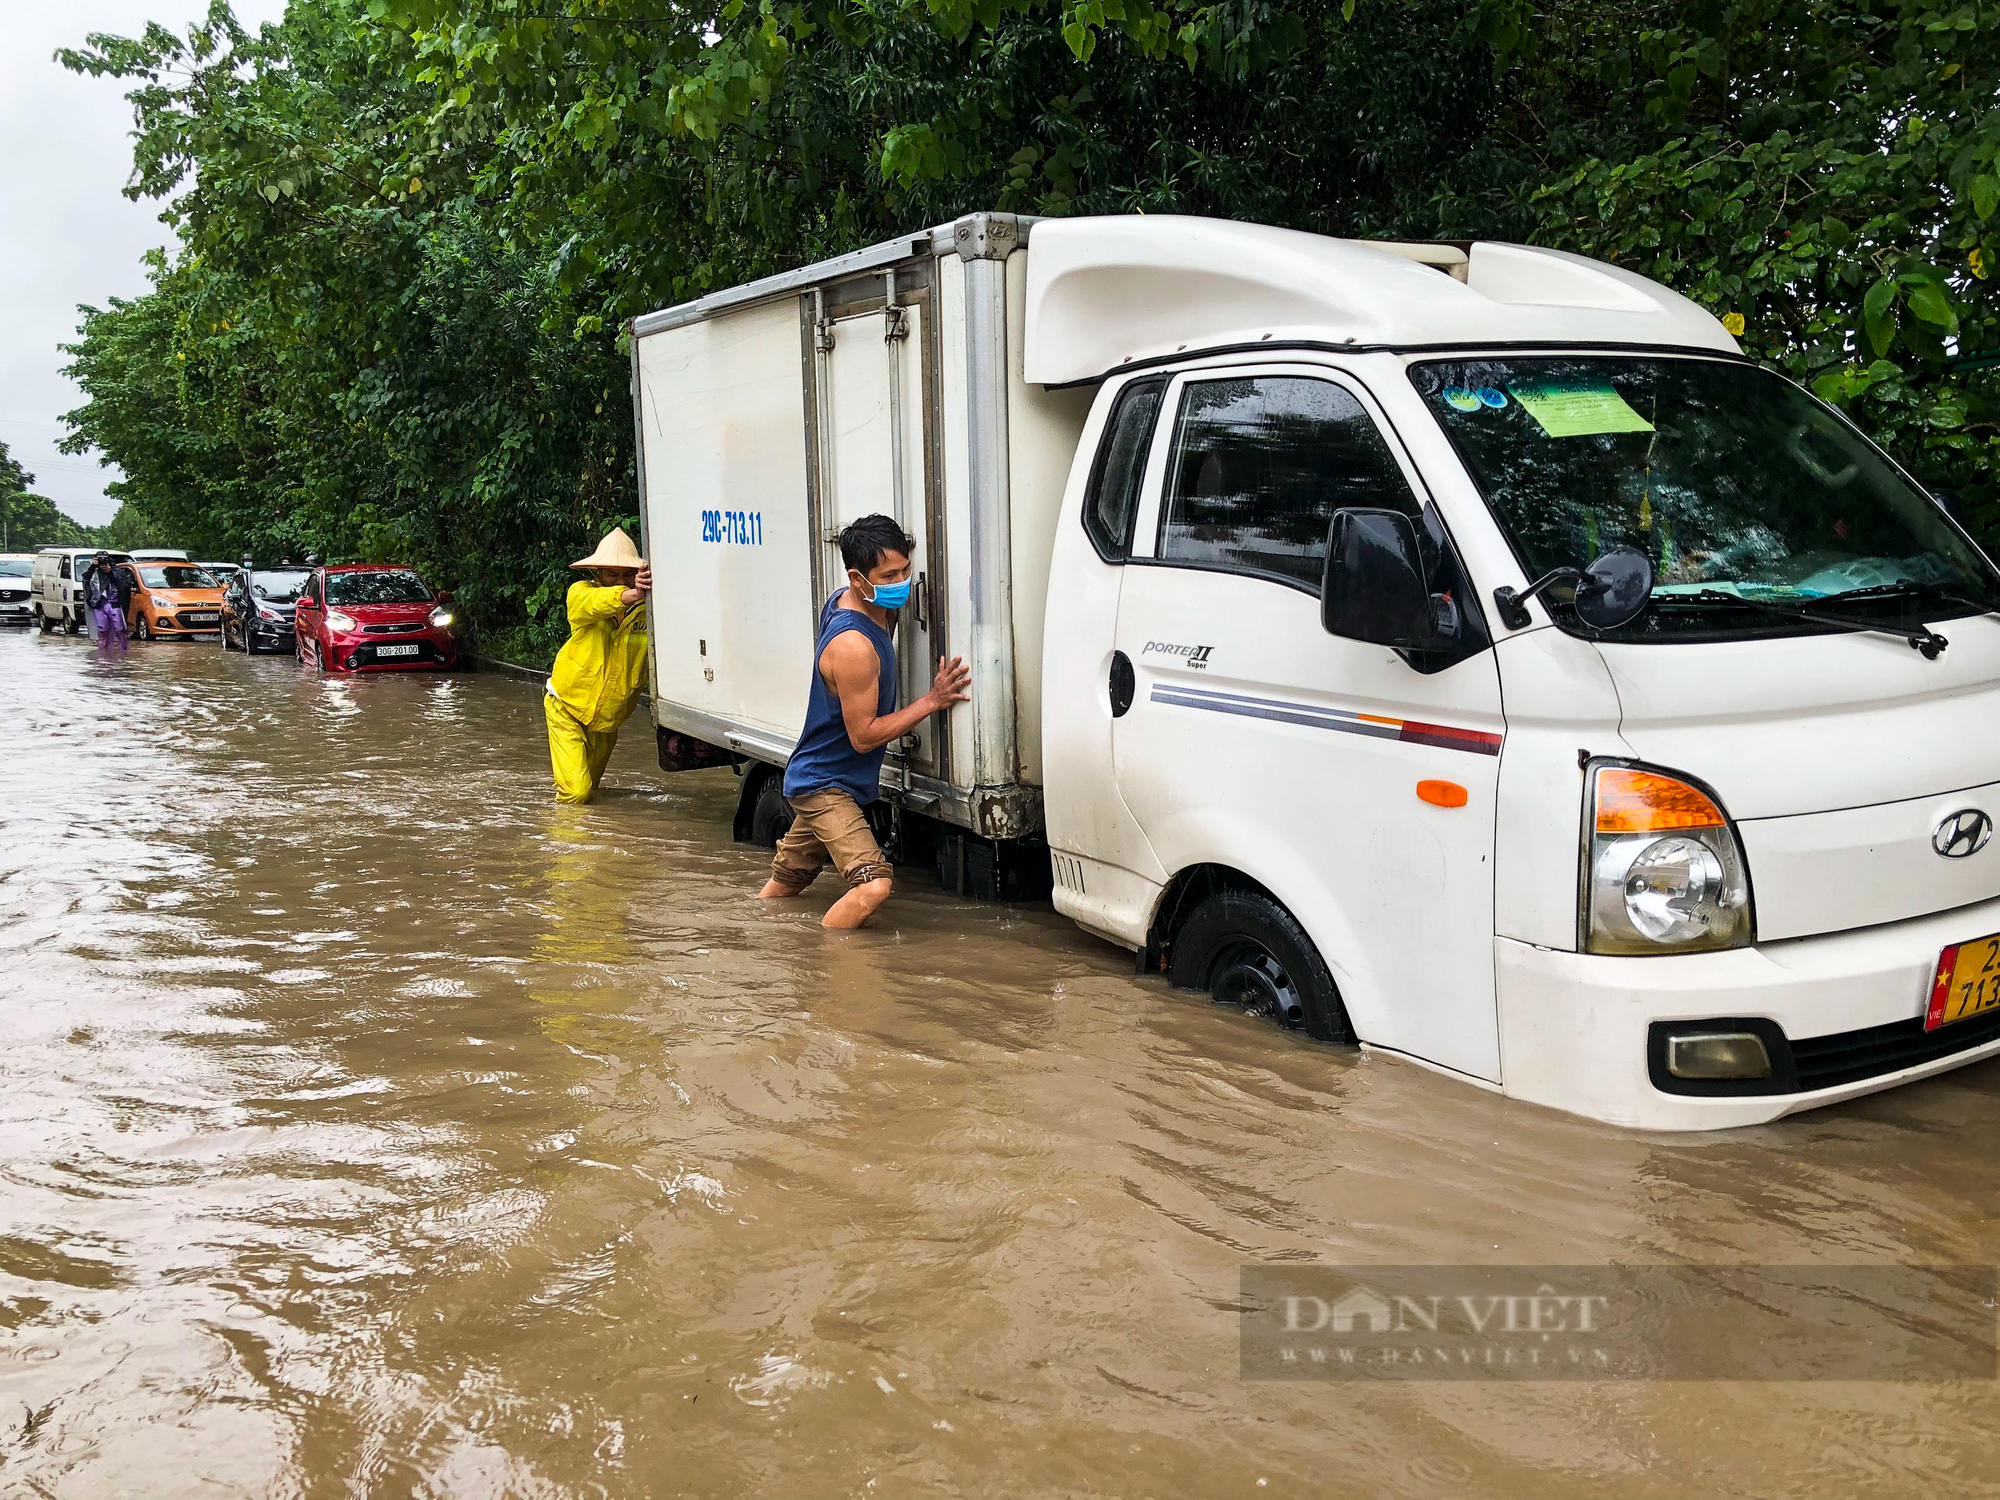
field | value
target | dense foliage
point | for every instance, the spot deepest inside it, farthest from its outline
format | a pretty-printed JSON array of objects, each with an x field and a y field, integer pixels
[{"x": 410, "y": 229}]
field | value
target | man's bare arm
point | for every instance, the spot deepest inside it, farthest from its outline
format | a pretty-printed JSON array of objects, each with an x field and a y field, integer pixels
[{"x": 853, "y": 670}]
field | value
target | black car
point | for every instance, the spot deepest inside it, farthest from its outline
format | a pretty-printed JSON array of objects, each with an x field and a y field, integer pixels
[{"x": 257, "y": 607}]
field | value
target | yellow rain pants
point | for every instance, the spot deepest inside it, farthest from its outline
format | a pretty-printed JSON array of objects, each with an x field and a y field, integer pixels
[
  {"x": 596, "y": 681},
  {"x": 577, "y": 755}
]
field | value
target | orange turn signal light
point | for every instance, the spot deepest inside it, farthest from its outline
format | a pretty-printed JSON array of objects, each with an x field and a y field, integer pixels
[
  {"x": 1442, "y": 793},
  {"x": 1630, "y": 800}
]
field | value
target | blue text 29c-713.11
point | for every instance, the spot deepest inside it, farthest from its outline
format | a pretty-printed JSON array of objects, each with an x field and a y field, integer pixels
[{"x": 737, "y": 528}]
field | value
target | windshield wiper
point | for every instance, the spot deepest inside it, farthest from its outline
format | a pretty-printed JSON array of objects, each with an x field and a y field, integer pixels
[
  {"x": 1909, "y": 589},
  {"x": 1923, "y": 638}
]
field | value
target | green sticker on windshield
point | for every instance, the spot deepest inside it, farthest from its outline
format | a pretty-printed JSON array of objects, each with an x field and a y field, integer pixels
[{"x": 1578, "y": 410}]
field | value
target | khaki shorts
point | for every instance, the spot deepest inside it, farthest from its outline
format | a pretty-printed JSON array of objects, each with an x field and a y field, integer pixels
[{"x": 828, "y": 824}]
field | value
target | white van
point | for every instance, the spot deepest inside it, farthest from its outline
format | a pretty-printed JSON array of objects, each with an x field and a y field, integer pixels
[
  {"x": 56, "y": 588},
  {"x": 1461, "y": 649}
]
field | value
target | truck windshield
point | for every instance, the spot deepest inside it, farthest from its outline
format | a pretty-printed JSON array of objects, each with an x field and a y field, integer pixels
[{"x": 1739, "y": 486}]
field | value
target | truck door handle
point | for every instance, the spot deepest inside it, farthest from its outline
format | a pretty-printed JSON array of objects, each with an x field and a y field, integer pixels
[
  {"x": 1123, "y": 684},
  {"x": 921, "y": 597}
]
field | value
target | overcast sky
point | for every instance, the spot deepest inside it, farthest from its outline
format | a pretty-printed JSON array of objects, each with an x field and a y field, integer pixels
[{"x": 67, "y": 233}]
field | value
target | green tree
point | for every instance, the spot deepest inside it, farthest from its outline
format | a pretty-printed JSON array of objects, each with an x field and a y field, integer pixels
[
  {"x": 343, "y": 356},
  {"x": 408, "y": 231},
  {"x": 1824, "y": 173},
  {"x": 28, "y": 520}
]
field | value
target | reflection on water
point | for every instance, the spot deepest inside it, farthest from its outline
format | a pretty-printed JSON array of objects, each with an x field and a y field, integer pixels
[{"x": 373, "y": 1126}]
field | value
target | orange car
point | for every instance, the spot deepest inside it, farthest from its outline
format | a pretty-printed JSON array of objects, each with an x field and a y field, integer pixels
[{"x": 173, "y": 599}]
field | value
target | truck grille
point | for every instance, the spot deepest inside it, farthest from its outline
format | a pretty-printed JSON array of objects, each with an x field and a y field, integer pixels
[{"x": 1826, "y": 1062}]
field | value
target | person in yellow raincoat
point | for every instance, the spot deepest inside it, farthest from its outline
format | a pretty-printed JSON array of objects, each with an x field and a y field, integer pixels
[{"x": 600, "y": 668}]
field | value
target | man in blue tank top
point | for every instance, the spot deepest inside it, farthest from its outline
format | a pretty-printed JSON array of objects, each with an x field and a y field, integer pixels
[{"x": 851, "y": 717}]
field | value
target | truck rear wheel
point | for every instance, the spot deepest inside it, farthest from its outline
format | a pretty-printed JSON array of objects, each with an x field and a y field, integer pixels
[
  {"x": 1245, "y": 949},
  {"x": 43, "y": 619},
  {"x": 771, "y": 814},
  {"x": 71, "y": 625}
]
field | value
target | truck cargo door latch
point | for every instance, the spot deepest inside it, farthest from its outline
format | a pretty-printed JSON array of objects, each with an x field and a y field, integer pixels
[{"x": 822, "y": 324}]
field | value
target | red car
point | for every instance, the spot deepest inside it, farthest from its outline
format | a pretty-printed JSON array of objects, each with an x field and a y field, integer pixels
[{"x": 371, "y": 617}]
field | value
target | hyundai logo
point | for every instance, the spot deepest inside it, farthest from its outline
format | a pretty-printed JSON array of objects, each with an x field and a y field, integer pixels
[{"x": 1962, "y": 833}]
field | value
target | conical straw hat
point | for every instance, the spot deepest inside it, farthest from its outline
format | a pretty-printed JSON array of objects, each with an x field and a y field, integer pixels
[{"x": 615, "y": 551}]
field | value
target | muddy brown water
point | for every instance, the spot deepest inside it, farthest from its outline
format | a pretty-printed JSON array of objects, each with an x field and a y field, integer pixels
[{"x": 370, "y": 1126}]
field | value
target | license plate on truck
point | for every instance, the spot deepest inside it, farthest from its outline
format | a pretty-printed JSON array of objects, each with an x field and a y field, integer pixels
[
  {"x": 397, "y": 650},
  {"x": 1967, "y": 982}
]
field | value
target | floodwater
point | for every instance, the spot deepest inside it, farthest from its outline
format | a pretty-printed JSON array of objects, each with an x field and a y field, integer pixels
[{"x": 371, "y": 1126}]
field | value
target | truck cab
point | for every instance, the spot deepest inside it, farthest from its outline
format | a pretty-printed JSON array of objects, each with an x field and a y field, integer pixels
[{"x": 1311, "y": 743}]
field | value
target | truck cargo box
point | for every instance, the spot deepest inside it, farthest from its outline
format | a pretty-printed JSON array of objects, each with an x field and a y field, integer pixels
[{"x": 772, "y": 414}]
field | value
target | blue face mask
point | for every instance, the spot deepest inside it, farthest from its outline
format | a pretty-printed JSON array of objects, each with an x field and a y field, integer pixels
[{"x": 890, "y": 595}]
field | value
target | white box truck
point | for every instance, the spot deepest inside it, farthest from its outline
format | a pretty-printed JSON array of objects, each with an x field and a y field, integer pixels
[{"x": 1458, "y": 648}]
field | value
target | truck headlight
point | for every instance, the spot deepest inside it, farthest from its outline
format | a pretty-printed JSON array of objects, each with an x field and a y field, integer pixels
[{"x": 1663, "y": 870}]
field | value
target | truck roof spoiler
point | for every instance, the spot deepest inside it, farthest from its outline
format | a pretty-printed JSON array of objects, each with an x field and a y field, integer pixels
[{"x": 1107, "y": 293}]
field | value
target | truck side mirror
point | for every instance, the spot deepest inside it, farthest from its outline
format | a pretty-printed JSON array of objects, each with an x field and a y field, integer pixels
[{"x": 1374, "y": 586}]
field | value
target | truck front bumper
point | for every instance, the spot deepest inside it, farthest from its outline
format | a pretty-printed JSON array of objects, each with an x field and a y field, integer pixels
[{"x": 1574, "y": 1027}]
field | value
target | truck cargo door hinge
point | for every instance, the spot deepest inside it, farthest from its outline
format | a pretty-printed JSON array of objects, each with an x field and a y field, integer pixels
[{"x": 895, "y": 323}]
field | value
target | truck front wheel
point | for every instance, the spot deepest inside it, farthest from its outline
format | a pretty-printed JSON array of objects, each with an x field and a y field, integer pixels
[{"x": 1245, "y": 949}]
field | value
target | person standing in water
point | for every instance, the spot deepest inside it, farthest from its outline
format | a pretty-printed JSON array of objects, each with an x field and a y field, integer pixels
[
  {"x": 107, "y": 593},
  {"x": 600, "y": 669},
  {"x": 851, "y": 717}
]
